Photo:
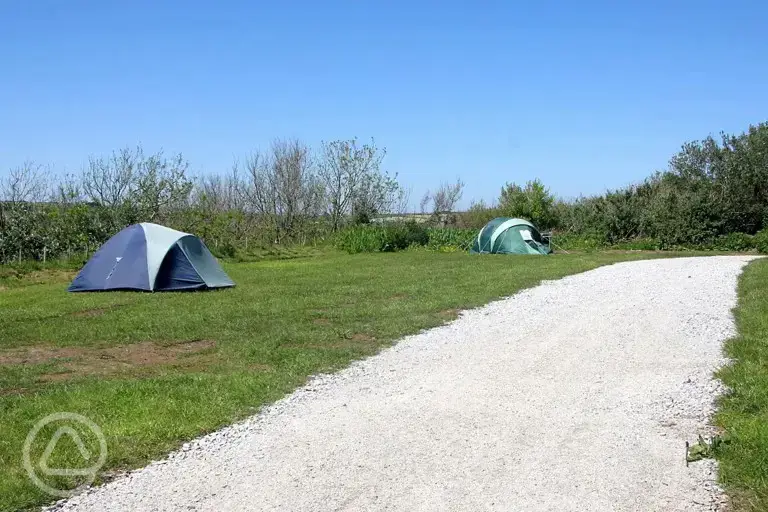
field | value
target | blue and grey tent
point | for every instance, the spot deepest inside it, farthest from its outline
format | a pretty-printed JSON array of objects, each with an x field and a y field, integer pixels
[{"x": 151, "y": 257}]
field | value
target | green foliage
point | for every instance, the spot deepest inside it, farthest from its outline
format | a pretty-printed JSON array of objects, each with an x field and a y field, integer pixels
[
  {"x": 713, "y": 195},
  {"x": 578, "y": 242},
  {"x": 760, "y": 241},
  {"x": 226, "y": 250},
  {"x": 403, "y": 236},
  {"x": 706, "y": 449},
  {"x": 737, "y": 242},
  {"x": 533, "y": 202},
  {"x": 478, "y": 215},
  {"x": 638, "y": 244},
  {"x": 378, "y": 238},
  {"x": 398, "y": 236},
  {"x": 361, "y": 238},
  {"x": 451, "y": 239},
  {"x": 354, "y": 182}
]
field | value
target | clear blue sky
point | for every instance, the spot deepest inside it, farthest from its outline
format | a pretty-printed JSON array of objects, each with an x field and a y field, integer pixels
[{"x": 584, "y": 95}]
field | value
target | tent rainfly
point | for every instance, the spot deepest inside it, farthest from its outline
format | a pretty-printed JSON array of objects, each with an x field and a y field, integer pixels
[
  {"x": 151, "y": 257},
  {"x": 509, "y": 236}
]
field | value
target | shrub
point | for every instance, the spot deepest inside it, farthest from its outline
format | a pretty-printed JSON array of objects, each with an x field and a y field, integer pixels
[
  {"x": 402, "y": 236},
  {"x": 451, "y": 239},
  {"x": 578, "y": 242},
  {"x": 388, "y": 238},
  {"x": 226, "y": 250},
  {"x": 360, "y": 238},
  {"x": 739, "y": 242},
  {"x": 760, "y": 241}
]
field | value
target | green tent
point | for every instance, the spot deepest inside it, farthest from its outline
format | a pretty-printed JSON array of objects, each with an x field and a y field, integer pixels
[{"x": 509, "y": 236}]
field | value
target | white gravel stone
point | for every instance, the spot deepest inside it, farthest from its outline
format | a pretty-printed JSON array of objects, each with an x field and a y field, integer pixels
[{"x": 578, "y": 394}]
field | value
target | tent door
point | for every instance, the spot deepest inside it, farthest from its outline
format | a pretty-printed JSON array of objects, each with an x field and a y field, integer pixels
[{"x": 177, "y": 273}]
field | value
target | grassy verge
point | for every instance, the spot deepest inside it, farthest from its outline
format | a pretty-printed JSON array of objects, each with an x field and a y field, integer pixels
[
  {"x": 744, "y": 411},
  {"x": 153, "y": 370}
]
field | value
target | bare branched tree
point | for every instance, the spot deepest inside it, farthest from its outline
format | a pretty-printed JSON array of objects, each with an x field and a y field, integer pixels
[
  {"x": 218, "y": 193},
  {"x": 426, "y": 199},
  {"x": 296, "y": 184},
  {"x": 444, "y": 199},
  {"x": 447, "y": 196},
  {"x": 130, "y": 182},
  {"x": 107, "y": 181},
  {"x": 26, "y": 183},
  {"x": 403, "y": 204},
  {"x": 353, "y": 180},
  {"x": 68, "y": 190},
  {"x": 259, "y": 191},
  {"x": 283, "y": 186}
]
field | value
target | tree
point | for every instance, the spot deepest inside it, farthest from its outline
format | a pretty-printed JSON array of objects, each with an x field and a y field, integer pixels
[
  {"x": 27, "y": 182},
  {"x": 445, "y": 198},
  {"x": 354, "y": 181},
  {"x": 729, "y": 175},
  {"x": 69, "y": 190},
  {"x": 425, "y": 200},
  {"x": 283, "y": 187},
  {"x": 478, "y": 214},
  {"x": 161, "y": 185},
  {"x": 136, "y": 187},
  {"x": 532, "y": 202},
  {"x": 107, "y": 181}
]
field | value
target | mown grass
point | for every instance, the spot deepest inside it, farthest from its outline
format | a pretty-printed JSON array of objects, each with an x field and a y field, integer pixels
[
  {"x": 743, "y": 412},
  {"x": 285, "y": 320}
]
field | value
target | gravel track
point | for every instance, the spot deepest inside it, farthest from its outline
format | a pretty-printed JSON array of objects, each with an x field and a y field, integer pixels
[{"x": 578, "y": 394}]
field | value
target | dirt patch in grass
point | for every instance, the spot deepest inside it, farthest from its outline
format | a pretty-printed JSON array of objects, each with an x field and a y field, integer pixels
[
  {"x": 149, "y": 354},
  {"x": 145, "y": 357},
  {"x": 399, "y": 296},
  {"x": 38, "y": 355},
  {"x": 3, "y": 288},
  {"x": 12, "y": 391},
  {"x": 448, "y": 314},
  {"x": 321, "y": 321}
]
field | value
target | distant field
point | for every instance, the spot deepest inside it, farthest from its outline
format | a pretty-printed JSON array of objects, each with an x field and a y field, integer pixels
[{"x": 153, "y": 370}]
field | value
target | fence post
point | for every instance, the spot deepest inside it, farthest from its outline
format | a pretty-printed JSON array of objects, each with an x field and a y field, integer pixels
[{"x": 45, "y": 250}]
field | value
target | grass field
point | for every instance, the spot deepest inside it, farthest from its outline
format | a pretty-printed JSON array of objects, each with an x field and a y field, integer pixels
[
  {"x": 744, "y": 411},
  {"x": 153, "y": 370}
]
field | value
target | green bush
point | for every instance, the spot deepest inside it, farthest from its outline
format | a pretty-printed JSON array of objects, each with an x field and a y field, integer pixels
[
  {"x": 451, "y": 239},
  {"x": 402, "y": 236},
  {"x": 578, "y": 242},
  {"x": 738, "y": 242},
  {"x": 760, "y": 241},
  {"x": 226, "y": 250},
  {"x": 361, "y": 238},
  {"x": 399, "y": 236}
]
